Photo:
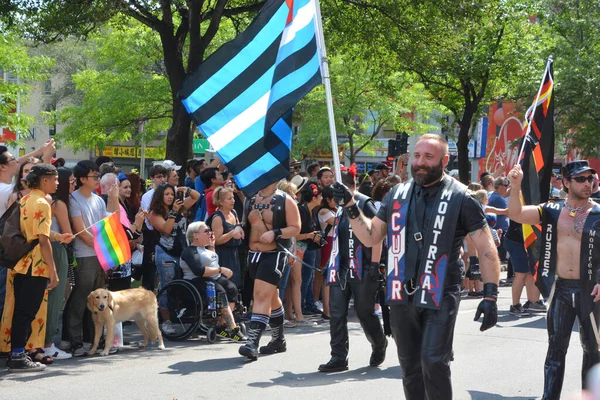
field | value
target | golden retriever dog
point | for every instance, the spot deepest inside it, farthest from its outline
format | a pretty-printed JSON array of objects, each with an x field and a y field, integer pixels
[{"x": 109, "y": 308}]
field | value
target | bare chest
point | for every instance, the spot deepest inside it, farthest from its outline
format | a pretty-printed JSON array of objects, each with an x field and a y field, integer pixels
[{"x": 570, "y": 227}]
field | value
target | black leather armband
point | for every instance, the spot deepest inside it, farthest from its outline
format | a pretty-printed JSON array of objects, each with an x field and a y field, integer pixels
[
  {"x": 490, "y": 290},
  {"x": 353, "y": 211},
  {"x": 277, "y": 233}
]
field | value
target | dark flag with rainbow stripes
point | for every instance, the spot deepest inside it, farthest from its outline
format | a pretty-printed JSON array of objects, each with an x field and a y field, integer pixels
[
  {"x": 241, "y": 96},
  {"x": 537, "y": 158}
]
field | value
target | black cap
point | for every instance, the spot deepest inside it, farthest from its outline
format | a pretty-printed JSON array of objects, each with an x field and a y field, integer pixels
[
  {"x": 41, "y": 170},
  {"x": 381, "y": 166},
  {"x": 576, "y": 167},
  {"x": 486, "y": 173},
  {"x": 371, "y": 172}
]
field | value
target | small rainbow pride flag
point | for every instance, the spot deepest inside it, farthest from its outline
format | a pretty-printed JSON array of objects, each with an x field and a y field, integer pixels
[{"x": 111, "y": 242}]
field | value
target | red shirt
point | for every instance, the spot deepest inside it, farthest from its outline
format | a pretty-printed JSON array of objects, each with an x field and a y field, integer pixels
[{"x": 210, "y": 207}]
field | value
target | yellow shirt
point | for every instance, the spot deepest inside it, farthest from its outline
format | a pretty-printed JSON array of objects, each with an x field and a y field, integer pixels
[{"x": 36, "y": 219}]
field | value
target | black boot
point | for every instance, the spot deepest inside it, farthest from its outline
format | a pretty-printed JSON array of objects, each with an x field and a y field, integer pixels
[
  {"x": 378, "y": 355},
  {"x": 254, "y": 333},
  {"x": 334, "y": 365},
  {"x": 277, "y": 343}
]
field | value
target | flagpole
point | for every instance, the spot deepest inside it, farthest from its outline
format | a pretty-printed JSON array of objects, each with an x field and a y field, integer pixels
[
  {"x": 329, "y": 98},
  {"x": 95, "y": 223},
  {"x": 537, "y": 97}
]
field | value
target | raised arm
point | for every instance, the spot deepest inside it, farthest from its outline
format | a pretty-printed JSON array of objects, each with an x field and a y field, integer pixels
[
  {"x": 370, "y": 231},
  {"x": 516, "y": 211}
]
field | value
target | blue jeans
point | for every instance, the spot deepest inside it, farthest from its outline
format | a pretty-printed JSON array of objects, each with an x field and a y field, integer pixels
[
  {"x": 165, "y": 266},
  {"x": 3, "y": 272},
  {"x": 308, "y": 276},
  {"x": 284, "y": 280}
]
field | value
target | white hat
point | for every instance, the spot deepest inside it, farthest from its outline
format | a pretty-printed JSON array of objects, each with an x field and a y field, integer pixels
[
  {"x": 299, "y": 182},
  {"x": 171, "y": 164}
]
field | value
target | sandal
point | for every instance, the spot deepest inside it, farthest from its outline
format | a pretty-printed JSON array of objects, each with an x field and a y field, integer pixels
[{"x": 38, "y": 357}]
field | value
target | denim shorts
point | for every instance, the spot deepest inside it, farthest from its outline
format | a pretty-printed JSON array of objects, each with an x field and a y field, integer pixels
[
  {"x": 518, "y": 256},
  {"x": 165, "y": 265}
]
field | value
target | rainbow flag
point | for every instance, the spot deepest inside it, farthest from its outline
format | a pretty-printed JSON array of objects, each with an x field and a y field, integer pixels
[{"x": 111, "y": 242}]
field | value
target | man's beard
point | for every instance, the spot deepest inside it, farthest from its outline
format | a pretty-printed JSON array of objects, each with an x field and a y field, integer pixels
[{"x": 432, "y": 174}]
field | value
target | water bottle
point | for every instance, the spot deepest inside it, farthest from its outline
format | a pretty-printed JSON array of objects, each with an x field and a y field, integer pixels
[{"x": 211, "y": 294}]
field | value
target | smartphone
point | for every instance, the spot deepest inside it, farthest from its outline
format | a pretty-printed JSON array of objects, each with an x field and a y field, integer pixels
[{"x": 179, "y": 196}]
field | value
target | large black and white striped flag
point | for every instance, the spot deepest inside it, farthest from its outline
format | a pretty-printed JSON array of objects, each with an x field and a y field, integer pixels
[{"x": 241, "y": 97}]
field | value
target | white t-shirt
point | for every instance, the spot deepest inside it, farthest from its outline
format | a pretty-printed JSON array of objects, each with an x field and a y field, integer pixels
[
  {"x": 145, "y": 204},
  {"x": 323, "y": 221},
  {"x": 6, "y": 190}
]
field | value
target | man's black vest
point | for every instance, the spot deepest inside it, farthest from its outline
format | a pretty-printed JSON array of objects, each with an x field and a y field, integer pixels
[
  {"x": 279, "y": 220},
  {"x": 589, "y": 258},
  {"x": 437, "y": 239}
]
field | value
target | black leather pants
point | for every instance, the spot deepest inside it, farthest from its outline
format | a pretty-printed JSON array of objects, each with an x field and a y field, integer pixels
[
  {"x": 424, "y": 340},
  {"x": 565, "y": 306},
  {"x": 364, "y": 305}
]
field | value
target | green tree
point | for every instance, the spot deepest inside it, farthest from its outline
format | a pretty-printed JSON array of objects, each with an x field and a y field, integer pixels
[
  {"x": 365, "y": 100},
  {"x": 125, "y": 90},
  {"x": 26, "y": 70},
  {"x": 574, "y": 24},
  {"x": 465, "y": 53},
  {"x": 186, "y": 30}
]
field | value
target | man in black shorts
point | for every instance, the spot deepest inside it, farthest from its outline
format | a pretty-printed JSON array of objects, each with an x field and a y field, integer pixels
[{"x": 272, "y": 220}]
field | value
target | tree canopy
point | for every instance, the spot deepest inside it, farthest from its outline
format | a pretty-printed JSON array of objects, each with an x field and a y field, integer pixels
[
  {"x": 366, "y": 98},
  {"x": 26, "y": 71}
]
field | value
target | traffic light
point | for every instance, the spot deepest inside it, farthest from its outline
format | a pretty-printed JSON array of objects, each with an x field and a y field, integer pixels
[
  {"x": 401, "y": 143},
  {"x": 392, "y": 148}
]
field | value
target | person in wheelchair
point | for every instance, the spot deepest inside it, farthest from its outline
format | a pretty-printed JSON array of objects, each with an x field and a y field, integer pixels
[{"x": 200, "y": 265}]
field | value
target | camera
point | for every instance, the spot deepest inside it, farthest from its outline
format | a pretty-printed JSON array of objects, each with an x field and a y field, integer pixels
[{"x": 323, "y": 240}]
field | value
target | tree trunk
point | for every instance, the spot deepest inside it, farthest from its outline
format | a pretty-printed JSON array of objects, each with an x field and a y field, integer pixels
[
  {"x": 463, "y": 144},
  {"x": 351, "y": 147}
]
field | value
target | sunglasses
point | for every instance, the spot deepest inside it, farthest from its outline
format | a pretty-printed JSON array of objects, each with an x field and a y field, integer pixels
[
  {"x": 581, "y": 179},
  {"x": 207, "y": 231},
  {"x": 94, "y": 177}
]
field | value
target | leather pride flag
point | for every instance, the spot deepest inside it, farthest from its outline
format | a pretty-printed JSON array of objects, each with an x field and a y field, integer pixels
[
  {"x": 536, "y": 161},
  {"x": 241, "y": 97}
]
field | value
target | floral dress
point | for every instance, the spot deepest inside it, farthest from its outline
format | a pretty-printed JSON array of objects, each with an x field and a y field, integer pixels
[{"x": 36, "y": 219}]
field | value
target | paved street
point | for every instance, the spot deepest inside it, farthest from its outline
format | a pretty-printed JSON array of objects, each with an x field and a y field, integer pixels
[{"x": 504, "y": 362}]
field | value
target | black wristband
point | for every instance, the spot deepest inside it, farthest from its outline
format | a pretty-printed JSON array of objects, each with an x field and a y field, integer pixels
[
  {"x": 353, "y": 211},
  {"x": 173, "y": 214},
  {"x": 277, "y": 233},
  {"x": 187, "y": 192},
  {"x": 490, "y": 290},
  {"x": 375, "y": 264}
]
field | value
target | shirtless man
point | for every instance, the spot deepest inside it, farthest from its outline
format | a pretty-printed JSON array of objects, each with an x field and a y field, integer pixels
[
  {"x": 575, "y": 221},
  {"x": 273, "y": 219}
]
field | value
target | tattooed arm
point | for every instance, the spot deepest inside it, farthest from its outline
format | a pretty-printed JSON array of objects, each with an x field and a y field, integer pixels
[
  {"x": 488, "y": 255},
  {"x": 370, "y": 231}
]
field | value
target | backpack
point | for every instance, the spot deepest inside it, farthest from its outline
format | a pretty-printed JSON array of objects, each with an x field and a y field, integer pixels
[{"x": 13, "y": 244}]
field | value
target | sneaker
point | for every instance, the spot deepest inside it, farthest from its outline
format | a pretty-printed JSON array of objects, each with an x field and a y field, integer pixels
[
  {"x": 167, "y": 328},
  {"x": 319, "y": 306},
  {"x": 237, "y": 335},
  {"x": 81, "y": 349},
  {"x": 309, "y": 313},
  {"x": 113, "y": 350},
  {"x": 517, "y": 309},
  {"x": 535, "y": 307},
  {"x": 64, "y": 345},
  {"x": 289, "y": 323},
  {"x": 56, "y": 353},
  {"x": 305, "y": 322},
  {"x": 325, "y": 317},
  {"x": 23, "y": 363},
  {"x": 222, "y": 331}
]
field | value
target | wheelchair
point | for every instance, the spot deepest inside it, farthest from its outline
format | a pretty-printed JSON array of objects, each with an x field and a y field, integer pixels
[{"x": 190, "y": 316}]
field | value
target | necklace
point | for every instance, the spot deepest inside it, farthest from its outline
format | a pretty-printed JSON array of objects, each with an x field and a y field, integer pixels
[{"x": 573, "y": 211}]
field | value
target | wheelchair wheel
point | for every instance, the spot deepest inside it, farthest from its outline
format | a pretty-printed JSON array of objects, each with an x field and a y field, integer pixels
[
  {"x": 242, "y": 326},
  {"x": 211, "y": 335},
  {"x": 184, "y": 305}
]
